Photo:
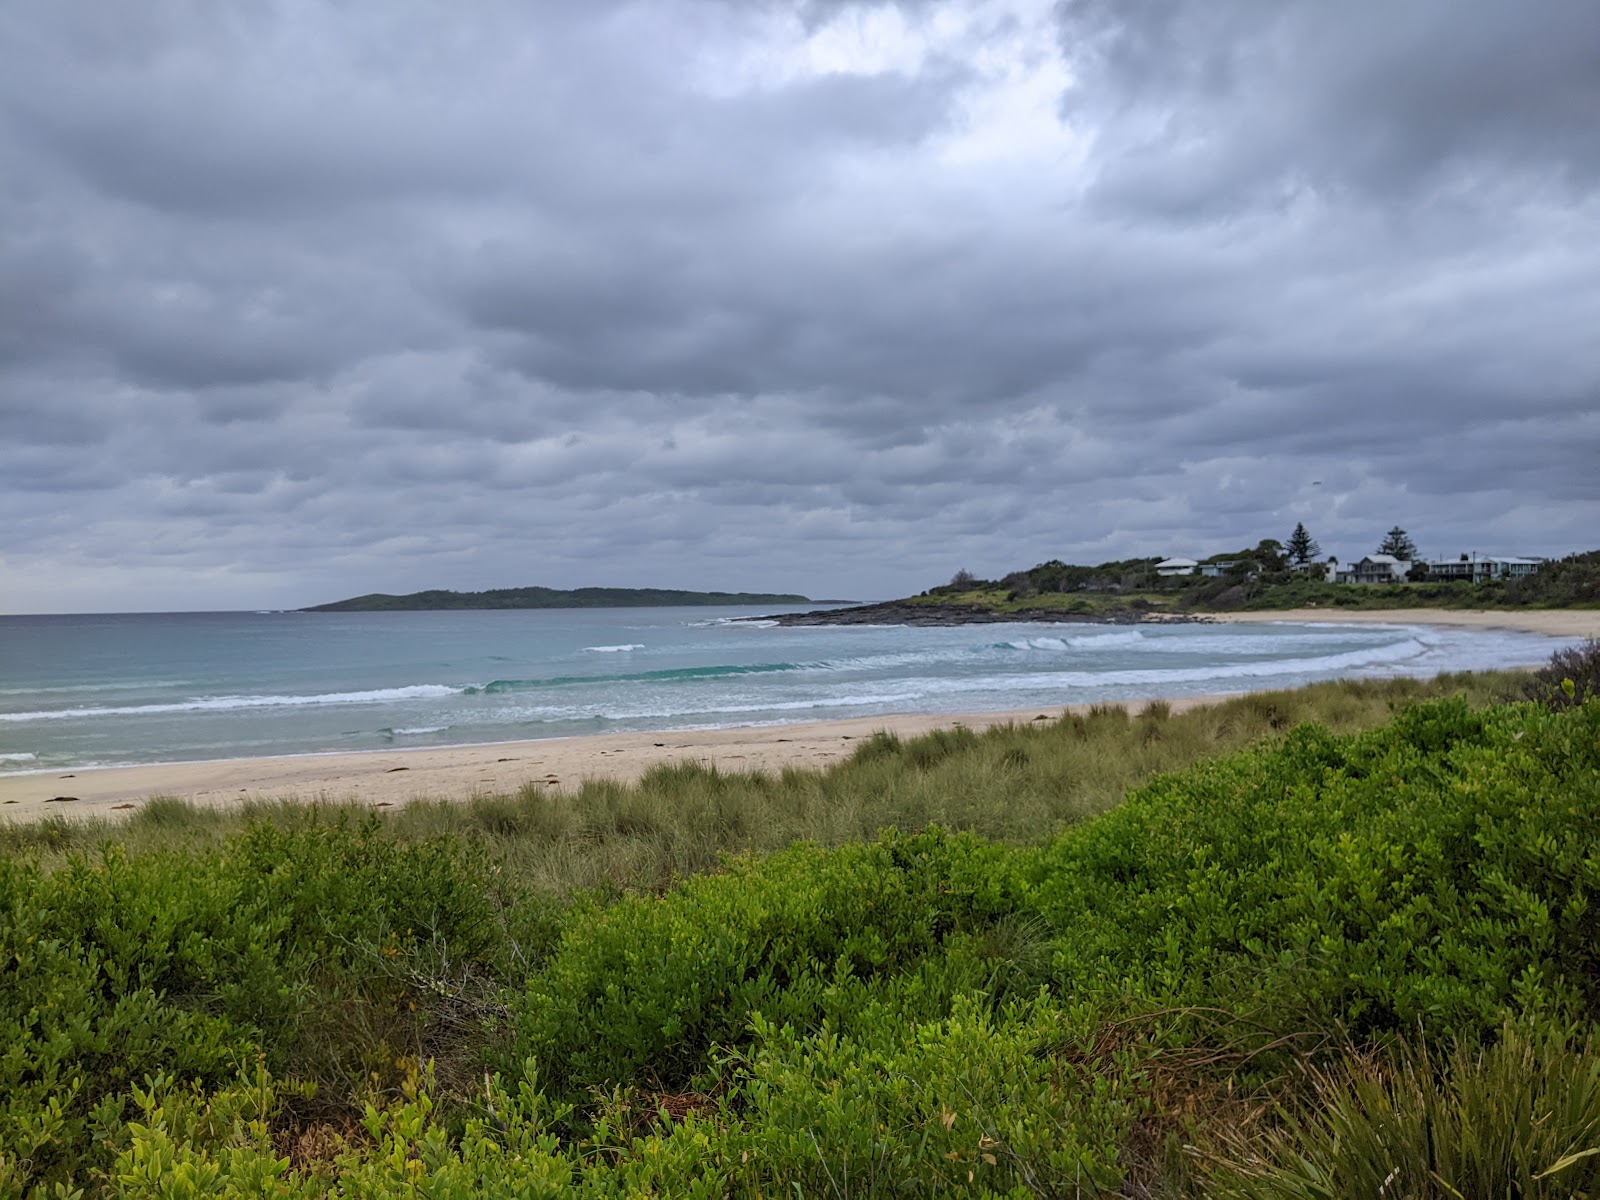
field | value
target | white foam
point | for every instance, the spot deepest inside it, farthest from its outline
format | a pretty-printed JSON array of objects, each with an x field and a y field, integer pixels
[
  {"x": 1088, "y": 641},
  {"x": 419, "y": 691},
  {"x": 1106, "y": 641},
  {"x": 18, "y": 757},
  {"x": 615, "y": 649},
  {"x": 422, "y": 729}
]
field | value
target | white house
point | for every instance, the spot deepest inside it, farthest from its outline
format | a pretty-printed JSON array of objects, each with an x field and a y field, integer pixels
[
  {"x": 1475, "y": 568},
  {"x": 1177, "y": 566},
  {"x": 1377, "y": 568}
]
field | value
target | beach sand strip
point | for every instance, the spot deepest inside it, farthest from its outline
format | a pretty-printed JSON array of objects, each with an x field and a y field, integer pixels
[{"x": 391, "y": 777}]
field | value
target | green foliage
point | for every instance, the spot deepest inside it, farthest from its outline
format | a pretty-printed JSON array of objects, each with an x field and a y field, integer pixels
[
  {"x": 1571, "y": 677},
  {"x": 652, "y": 984},
  {"x": 1440, "y": 873},
  {"x": 967, "y": 1104},
  {"x": 114, "y": 967},
  {"x": 1568, "y": 582},
  {"x": 1519, "y": 1118},
  {"x": 1397, "y": 542},
  {"x": 1261, "y": 582},
  {"x": 308, "y": 1006},
  {"x": 1301, "y": 547}
]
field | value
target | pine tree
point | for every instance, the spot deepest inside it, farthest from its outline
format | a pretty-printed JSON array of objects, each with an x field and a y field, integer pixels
[
  {"x": 1397, "y": 542},
  {"x": 1302, "y": 547}
]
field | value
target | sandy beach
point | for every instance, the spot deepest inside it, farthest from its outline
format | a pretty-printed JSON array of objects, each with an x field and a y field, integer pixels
[
  {"x": 389, "y": 777},
  {"x": 1568, "y": 622}
]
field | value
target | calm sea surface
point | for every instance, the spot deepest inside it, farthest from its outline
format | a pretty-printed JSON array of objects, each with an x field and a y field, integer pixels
[{"x": 86, "y": 690}]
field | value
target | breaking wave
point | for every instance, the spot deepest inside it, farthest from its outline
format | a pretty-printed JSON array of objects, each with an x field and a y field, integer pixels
[{"x": 419, "y": 691}]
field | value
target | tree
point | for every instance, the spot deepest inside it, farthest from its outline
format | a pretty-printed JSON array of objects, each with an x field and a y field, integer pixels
[
  {"x": 1269, "y": 554},
  {"x": 963, "y": 579},
  {"x": 1302, "y": 546},
  {"x": 1397, "y": 543}
]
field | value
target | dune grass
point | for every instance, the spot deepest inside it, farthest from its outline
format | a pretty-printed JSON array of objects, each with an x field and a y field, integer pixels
[{"x": 1012, "y": 783}]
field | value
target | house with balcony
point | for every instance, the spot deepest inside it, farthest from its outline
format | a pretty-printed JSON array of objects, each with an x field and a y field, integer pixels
[
  {"x": 1479, "y": 568},
  {"x": 1376, "y": 568}
]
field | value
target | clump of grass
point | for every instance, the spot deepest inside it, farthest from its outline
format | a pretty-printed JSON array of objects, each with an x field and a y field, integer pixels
[{"x": 1519, "y": 1118}]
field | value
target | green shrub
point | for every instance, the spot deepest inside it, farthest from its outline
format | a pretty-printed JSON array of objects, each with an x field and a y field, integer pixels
[
  {"x": 967, "y": 1104},
  {"x": 1443, "y": 871},
  {"x": 652, "y": 983},
  {"x": 114, "y": 968},
  {"x": 1571, "y": 677}
]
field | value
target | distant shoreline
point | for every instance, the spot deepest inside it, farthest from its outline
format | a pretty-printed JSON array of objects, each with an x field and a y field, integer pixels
[
  {"x": 501, "y": 599},
  {"x": 901, "y": 612},
  {"x": 1554, "y": 622}
]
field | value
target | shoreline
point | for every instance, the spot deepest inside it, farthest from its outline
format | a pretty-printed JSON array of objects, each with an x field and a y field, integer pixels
[
  {"x": 394, "y": 776},
  {"x": 1552, "y": 622},
  {"x": 387, "y": 778},
  {"x": 1555, "y": 622}
]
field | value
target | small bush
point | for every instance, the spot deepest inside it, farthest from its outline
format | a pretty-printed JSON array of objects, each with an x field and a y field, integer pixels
[{"x": 1571, "y": 677}]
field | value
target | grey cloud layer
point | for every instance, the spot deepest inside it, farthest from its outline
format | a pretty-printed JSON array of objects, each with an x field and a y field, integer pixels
[{"x": 305, "y": 300}]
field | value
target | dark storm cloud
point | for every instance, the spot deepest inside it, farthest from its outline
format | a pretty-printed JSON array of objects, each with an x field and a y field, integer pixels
[
  {"x": 1211, "y": 105},
  {"x": 303, "y": 299}
]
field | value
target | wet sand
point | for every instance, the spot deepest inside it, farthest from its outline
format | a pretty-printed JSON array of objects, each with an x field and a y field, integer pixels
[{"x": 390, "y": 777}]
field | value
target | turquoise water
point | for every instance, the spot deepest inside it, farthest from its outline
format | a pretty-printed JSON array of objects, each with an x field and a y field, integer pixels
[{"x": 86, "y": 690}]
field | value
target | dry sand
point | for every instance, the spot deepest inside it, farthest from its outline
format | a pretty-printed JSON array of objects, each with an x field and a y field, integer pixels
[
  {"x": 389, "y": 777},
  {"x": 1569, "y": 622}
]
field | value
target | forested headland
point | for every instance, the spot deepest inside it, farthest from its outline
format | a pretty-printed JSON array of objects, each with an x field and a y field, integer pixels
[{"x": 543, "y": 597}]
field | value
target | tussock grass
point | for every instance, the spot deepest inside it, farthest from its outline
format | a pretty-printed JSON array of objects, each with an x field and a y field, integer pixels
[
  {"x": 1518, "y": 1118},
  {"x": 1012, "y": 783}
]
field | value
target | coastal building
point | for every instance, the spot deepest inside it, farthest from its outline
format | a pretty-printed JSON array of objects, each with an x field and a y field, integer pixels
[
  {"x": 1476, "y": 568},
  {"x": 1216, "y": 568},
  {"x": 1376, "y": 568},
  {"x": 1323, "y": 571},
  {"x": 1177, "y": 566}
]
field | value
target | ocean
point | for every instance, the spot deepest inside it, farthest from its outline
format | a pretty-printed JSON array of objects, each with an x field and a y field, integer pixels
[{"x": 80, "y": 691}]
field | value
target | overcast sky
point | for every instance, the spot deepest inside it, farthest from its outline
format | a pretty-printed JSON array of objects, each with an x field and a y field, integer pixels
[{"x": 304, "y": 300}]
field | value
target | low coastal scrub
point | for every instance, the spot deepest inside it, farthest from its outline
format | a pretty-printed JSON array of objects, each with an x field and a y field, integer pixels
[
  {"x": 1257, "y": 580},
  {"x": 1299, "y": 968}
]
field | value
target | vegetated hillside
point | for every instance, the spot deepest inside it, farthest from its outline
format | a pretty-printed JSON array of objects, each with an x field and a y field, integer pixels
[
  {"x": 1258, "y": 580},
  {"x": 1233, "y": 960},
  {"x": 543, "y": 597}
]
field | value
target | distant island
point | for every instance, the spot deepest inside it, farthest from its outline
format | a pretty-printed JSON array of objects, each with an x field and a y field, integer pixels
[{"x": 543, "y": 597}]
